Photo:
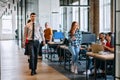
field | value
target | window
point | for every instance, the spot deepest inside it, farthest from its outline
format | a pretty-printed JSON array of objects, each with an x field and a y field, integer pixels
[
  {"x": 7, "y": 24},
  {"x": 61, "y": 19},
  {"x": 105, "y": 16},
  {"x": 84, "y": 18},
  {"x": 75, "y": 12},
  {"x": 84, "y": 15}
]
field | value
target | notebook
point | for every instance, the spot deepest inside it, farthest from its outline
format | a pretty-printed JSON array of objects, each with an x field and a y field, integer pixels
[{"x": 96, "y": 48}]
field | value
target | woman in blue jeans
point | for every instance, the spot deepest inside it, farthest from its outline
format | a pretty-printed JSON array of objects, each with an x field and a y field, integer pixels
[{"x": 75, "y": 37}]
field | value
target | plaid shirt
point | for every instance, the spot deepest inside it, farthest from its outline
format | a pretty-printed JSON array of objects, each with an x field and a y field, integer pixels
[{"x": 78, "y": 36}]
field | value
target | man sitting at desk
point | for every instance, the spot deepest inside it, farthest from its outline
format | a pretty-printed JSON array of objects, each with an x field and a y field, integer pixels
[
  {"x": 102, "y": 41},
  {"x": 108, "y": 47}
]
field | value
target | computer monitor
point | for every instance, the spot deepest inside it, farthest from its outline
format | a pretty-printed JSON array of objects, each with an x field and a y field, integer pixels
[
  {"x": 88, "y": 38},
  {"x": 58, "y": 35}
]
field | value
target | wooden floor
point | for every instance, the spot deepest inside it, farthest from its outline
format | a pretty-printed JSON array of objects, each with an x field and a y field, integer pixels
[{"x": 14, "y": 65}]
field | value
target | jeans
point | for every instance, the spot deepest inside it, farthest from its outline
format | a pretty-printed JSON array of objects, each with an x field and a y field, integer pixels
[{"x": 75, "y": 53}]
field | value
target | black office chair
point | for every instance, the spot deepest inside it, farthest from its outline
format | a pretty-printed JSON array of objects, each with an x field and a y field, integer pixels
[{"x": 57, "y": 37}]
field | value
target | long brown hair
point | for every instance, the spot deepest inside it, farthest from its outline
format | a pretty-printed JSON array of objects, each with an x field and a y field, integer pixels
[{"x": 72, "y": 30}]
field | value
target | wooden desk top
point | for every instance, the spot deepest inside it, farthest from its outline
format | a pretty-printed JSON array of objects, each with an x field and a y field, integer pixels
[
  {"x": 63, "y": 46},
  {"x": 55, "y": 42},
  {"x": 109, "y": 56}
]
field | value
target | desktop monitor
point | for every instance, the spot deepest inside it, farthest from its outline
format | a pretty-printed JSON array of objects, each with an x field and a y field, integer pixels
[
  {"x": 58, "y": 35},
  {"x": 88, "y": 38}
]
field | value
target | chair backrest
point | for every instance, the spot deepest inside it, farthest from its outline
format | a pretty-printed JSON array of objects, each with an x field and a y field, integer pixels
[
  {"x": 88, "y": 38},
  {"x": 66, "y": 42}
]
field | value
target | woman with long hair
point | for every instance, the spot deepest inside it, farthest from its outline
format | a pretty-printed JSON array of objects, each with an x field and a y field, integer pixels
[{"x": 75, "y": 37}]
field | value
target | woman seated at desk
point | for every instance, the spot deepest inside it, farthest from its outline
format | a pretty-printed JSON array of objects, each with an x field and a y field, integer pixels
[
  {"x": 108, "y": 47},
  {"x": 102, "y": 41},
  {"x": 106, "y": 41}
]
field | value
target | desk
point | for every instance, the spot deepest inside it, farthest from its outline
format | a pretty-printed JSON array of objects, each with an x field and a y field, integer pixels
[
  {"x": 54, "y": 46},
  {"x": 54, "y": 43},
  {"x": 105, "y": 57},
  {"x": 66, "y": 56}
]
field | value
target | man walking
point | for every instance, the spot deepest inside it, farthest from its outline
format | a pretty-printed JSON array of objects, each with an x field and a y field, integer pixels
[{"x": 33, "y": 36}]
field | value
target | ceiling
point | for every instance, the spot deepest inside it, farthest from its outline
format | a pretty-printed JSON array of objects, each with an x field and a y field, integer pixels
[{"x": 3, "y": 5}]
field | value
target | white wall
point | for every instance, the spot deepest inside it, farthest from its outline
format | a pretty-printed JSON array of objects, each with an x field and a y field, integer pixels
[
  {"x": 9, "y": 35},
  {"x": 0, "y": 27},
  {"x": 55, "y": 16},
  {"x": 14, "y": 22},
  {"x": 14, "y": 14},
  {"x": 49, "y": 12},
  {"x": 12, "y": 35}
]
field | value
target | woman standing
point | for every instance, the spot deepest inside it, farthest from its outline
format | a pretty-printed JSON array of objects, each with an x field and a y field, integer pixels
[{"x": 75, "y": 37}]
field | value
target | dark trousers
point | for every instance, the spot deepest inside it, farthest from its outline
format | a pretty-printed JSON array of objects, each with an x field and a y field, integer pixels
[
  {"x": 89, "y": 61},
  {"x": 33, "y": 50},
  {"x": 100, "y": 64},
  {"x": 40, "y": 48}
]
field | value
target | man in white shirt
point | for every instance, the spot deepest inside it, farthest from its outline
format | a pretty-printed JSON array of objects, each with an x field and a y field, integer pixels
[{"x": 33, "y": 35}]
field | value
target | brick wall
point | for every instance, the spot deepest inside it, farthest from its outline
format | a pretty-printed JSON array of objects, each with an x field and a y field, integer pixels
[{"x": 94, "y": 16}]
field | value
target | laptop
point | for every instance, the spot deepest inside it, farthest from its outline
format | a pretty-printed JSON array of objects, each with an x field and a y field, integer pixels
[{"x": 96, "y": 48}]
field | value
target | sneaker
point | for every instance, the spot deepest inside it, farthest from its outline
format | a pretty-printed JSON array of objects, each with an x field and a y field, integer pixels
[
  {"x": 100, "y": 71},
  {"x": 88, "y": 72},
  {"x": 76, "y": 70},
  {"x": 72, "y": 68},
  {"x": 93, "y": 71}
]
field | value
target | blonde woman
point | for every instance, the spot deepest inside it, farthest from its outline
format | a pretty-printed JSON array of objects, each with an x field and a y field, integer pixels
[{"x": 75, "y": 37}]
